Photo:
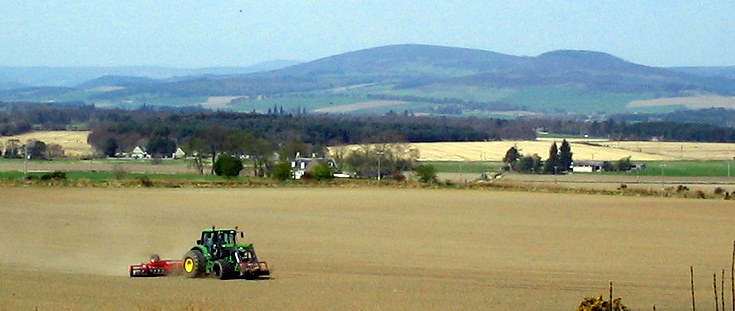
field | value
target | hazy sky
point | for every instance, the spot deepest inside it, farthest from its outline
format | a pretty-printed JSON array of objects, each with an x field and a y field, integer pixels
[{"x": 201, "y": 33}]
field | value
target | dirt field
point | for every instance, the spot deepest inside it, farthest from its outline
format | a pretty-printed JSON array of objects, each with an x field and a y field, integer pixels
[
  {"x": 362, "y": 249},
  {"x": 360, "y": 106},
  {"x": 218, "y": 102},
  {"x": 691, "y": 102}
]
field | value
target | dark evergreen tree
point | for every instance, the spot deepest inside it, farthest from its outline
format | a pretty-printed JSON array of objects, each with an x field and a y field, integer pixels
[
  {"x": 551, "y": 166},
  {"x": 110, "y": 148},
  {"x": 565, "y": 156},
  {"x": 511, "y": 156}
]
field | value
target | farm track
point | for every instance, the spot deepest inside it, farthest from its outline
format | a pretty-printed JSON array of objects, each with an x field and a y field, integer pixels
[{"x": 369, "y": 249}]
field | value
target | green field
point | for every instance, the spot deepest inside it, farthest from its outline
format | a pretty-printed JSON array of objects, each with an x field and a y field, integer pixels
[
  {"x": 653, "y": 168},
  {"x": 683, "y": 168},
  {"x": 466, "y": 167}
]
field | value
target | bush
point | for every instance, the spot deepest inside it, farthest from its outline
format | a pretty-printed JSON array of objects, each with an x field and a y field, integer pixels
[
  {"x": 600, "y": 304},
  {"x": 426, "y": 174},
  {"x": 323, "y": 172},
  {"x": 700, "y": 194},
  {"x": 146, "y": 182},
  {"x": 227, "y": 165},
  {"x": 719, "y": 190},
  {"x": 282, "y": 171},
  {"x": 399, "y": 176},
  {"x": 56, "y": 175}
]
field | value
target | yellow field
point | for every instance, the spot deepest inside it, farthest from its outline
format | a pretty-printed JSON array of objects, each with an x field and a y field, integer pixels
[
  {"x": 584, "y": 150},
  {"x": 74, "y": 142},
  {"x": 677, "y": 150},
  {"x": 362, "y": 249}
]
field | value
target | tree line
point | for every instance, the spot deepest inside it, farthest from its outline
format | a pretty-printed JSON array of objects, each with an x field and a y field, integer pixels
[{"x": 559, "y": 160}]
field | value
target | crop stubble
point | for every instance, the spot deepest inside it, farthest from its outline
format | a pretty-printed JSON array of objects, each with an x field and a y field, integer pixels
[{"x": 371, "y": 249}]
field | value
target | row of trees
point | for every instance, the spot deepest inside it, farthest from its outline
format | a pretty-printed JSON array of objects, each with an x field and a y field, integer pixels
[
  {"x": 34, "y": 149},
  {"x": 559, "y": 160}
]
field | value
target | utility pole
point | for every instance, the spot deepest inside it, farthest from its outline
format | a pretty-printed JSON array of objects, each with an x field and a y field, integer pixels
[
  {"x": 380, "y": 155},
  {"x": 25, "y": 161}
]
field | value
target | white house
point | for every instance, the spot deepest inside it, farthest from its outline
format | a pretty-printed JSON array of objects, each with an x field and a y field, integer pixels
[
  {"x": 300, "y": 165},
  {"x": 179, "y": 154},
  {"x": 139, "y": 153}
]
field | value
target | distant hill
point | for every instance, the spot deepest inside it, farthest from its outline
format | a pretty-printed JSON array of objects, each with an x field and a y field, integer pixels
[
  {"x": 407, "y": 60},
  {"x": 721, "y": 72},
  {"x": 72, "y": 76},
  {"x": 120, "y": 81},
  {"x": 422, "y": 79},
  {"x": 11, "y": 85}
]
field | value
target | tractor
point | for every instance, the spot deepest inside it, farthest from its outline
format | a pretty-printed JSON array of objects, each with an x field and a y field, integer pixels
[{"x": 219, "y": 254}]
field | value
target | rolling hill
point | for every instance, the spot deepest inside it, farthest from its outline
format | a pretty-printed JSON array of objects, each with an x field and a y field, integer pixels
[{"x": 423, "y": 79}]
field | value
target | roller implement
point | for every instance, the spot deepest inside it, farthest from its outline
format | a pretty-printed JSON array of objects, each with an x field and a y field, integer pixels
[
  {"x": 157, "y": 267},
  {"x": 219, "y": 254}
]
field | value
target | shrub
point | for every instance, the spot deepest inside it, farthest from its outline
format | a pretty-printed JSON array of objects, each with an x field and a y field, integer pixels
[
  {"x": 323, "y": 172},
  {"x": 227, "y": 165},
  {"x": 600, "y": 304},
  {"x": 682, "y": 188},
  {"x": 700, "y": 194},
  {"x": 56, "y": 175},
  {"x": 119, "y": 171},
  {"x": 426, "y": 173},
  {"x": 719, "y": 190},
  {"x": 399, "y": 176},
  {"x": 282, "y": 171},
  {"x": 146, "y": 182}
]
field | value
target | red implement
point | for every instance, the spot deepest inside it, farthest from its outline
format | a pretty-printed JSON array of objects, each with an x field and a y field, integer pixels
[{"x": 158, "y": 267}]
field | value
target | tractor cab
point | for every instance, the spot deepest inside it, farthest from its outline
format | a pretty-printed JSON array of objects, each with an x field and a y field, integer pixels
[{"x": 216, "y": 239}]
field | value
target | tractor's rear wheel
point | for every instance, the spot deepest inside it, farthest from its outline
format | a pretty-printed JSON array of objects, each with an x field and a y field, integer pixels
[
  {"x": 223, "y": 269},
  {"x": 194, "y": 264}
]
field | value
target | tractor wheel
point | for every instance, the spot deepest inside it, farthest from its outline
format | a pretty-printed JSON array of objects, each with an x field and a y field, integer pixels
[
  {"x": 223, "y": 270},
  {"x": 194, "y": 264}
]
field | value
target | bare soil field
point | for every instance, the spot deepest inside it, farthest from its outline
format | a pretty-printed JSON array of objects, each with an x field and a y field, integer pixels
[
  {"x": 218, "y": 102},
  {"x": 360, "y": 106},
  {"x": 362, "y": 249},
  {"x": 74, "y": 142},
  {"x": 691, "y": 102}
]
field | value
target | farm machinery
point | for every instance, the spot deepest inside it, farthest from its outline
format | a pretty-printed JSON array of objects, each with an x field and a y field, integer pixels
[
  {"x": 216, "y": 253},
  {"x": 157, "y": 267}
]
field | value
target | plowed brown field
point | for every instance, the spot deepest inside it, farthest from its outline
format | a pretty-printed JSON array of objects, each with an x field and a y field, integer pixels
[{"x": 362, "y": 249}]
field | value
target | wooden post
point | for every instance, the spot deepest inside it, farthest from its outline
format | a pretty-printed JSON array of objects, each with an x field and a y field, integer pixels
[
  {"x": 611, "y": 297},
  {"x": 714, "y": 285},
  {"x": 722, "y": 289},
  {"x": 691, "y": 275}
]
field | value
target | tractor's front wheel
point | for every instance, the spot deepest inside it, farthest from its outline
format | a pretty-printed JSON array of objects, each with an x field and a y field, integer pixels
[
  {"x": 223, "y": 270},
  {"x": 194, "y": 264}
]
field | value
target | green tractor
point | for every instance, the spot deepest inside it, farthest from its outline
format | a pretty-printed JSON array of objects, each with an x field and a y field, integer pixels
[{"x": 219, "y": 254}]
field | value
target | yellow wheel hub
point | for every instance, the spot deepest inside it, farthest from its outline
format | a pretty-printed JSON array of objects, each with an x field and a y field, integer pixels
[{"x": 189, "y": 265}]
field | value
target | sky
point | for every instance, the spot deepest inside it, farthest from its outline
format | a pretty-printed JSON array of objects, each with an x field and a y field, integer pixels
[{"x": 207, "y": 33}]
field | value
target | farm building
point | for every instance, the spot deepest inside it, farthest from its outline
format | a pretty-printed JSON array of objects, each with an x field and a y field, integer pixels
[
  {"x": 586, "y": 166},
  {"x": 139, "y": 153}
]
